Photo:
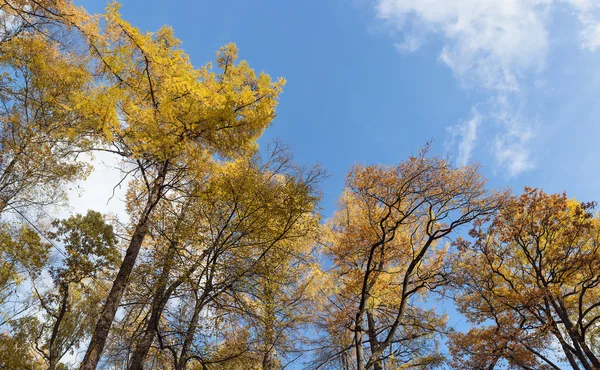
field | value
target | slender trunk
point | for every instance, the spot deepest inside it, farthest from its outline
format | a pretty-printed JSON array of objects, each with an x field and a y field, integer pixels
[
  {"x": 543, "y": 358},
  {"x": 4, "y": 181},
  {"x": 573, "y": 335},
  {"x": 344, "y": 361},
  {"x": 365, "y": 291},
  {"x": 100, "y": 334},
  {"x": 406, "y": 294},
  {"x": 582, "y": 351},
  {"x": 373, "y": 342},
  {"x": 588, "y": 352},
  {"x": 269, "y": 332},
  {"x": 360, "y": 365},
  {"x": 558, "y": 335},
  {"x": 159, "y": 300},
  {"x": 568, "y": 353},
  {"x": 193, "y": 324},
  {"x": 268, "y": 362},
  {"x": 3, "y": 204},
  {"x": 54, "y": 353},
  {"x": 158, "y": 303},
  {"x": 189, "y": 335}
]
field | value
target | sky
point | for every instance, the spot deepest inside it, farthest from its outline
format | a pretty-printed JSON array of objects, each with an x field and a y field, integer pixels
[{"x": 509, "y": 84}]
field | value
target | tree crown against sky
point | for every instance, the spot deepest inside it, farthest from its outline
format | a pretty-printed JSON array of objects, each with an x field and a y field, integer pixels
[{"x": 226, "y": 258}]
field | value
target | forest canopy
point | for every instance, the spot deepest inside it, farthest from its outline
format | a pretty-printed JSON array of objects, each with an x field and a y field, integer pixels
[{"x": 226, "y": 260}]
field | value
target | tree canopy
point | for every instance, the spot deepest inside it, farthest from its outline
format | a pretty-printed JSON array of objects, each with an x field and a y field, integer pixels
[{"x": 225, "y": 261}]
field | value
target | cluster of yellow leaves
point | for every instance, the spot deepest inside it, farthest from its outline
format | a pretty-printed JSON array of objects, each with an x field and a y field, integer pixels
[
  {"x": 21, "y": 251},
  {"x": 38, "y": 86},
  {"x": 155, "y": 102}
]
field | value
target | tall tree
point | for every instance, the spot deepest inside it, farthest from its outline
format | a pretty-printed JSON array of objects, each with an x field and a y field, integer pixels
[
  {"x": 533, "y": 274},
  {"x": 39, "y": 84},
  {"x": 384, "y": 242},
  {"x": 22, "y": 254},
  {"x": 213, "y": 252},
  {"x": 168, "y": 120},
  {"x": 42, "y": 74},
  {"x": 67, "y": 308}
]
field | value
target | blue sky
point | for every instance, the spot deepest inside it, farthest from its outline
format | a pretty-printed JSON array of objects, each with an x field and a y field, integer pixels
[{"x": 511, "y": 84}]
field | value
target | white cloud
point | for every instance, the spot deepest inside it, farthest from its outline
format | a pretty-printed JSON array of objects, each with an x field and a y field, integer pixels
[
  {"x": 515, "y": 157},
  {"x": 511, "y": 134},
  {"x": 486, "y": 42},
  {"x": 588, "y": 12},
  {"x": 96, "y": 192},
  {"x": 511, "y": 140},
  {"x": 410, "y": 44},
  {"x": 590, "y": 34},
  {"x": 467, "y": 130},
  {"x": 495, "y": 46}
]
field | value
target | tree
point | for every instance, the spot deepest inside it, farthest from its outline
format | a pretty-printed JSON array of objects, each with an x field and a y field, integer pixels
[
  {"x": 69, "y": 306},
  {"x": 214, "y": 249},
  {"x": 384, "y": 243},
  {"x": 22, "y": 254},
  {"x": 168, "y": 120},
  {"x": 533, "y": 274},
  {"x": 38, "y": 86}
]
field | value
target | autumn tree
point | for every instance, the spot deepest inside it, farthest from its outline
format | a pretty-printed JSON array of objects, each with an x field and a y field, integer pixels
[
  {"x": 165, "y": 118},
  {"x": 41, "y": 75},
  {"x": 23, "y": 254},
  {"x": 531, "y": 277},
  {"x": 215, "y": 248},
  {"x": 385, "y": 243},
  {"x": 38, "y": 86},
  {"x": 67, "y": 308}
]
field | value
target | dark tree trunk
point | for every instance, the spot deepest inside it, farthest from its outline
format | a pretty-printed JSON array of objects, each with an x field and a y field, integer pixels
[
  {"x": 158, "y": 303},
  {"x": 189, "y": 335},
  {"x": 100, "y": 335},
  {"x": 373, "y": 342},
  {"x": 358, "y": 338},
  {"x": 54, "y": 352}
]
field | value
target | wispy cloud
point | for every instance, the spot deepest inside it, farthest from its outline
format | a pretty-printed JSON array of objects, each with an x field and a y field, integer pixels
[
  {"x": 513, "y": 134},
  {"x": 590, "y": 34},
  {"x": 467, "y": 130},
  {"x": 495, "y": 46}
]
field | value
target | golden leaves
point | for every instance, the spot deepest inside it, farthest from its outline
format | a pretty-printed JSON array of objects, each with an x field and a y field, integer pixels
[
  {"x": 158, "y": 105},
  {"x": 533, "y": 270}
]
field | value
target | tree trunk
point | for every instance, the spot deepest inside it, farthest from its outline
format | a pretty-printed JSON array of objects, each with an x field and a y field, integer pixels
[
  {"x": 189, "y": 335},
  {"x": 570, "y": 329},
  {"x": 373, "y": 342},
  {"x": 345, "y": 361},
  {"x": 269, "y": 325},
  {"x": 54, "y": 353},
  {"x": 588, "y": 352},
  {"x": 157, "y": 307},
  {"x": 158, "y": 303},
  {"x": 360, "y": 365},
  {"x": 100, "y": 335},
  {"x": 567, "y": 352},
  {"x": 159, "y": 300}
]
